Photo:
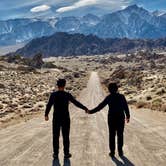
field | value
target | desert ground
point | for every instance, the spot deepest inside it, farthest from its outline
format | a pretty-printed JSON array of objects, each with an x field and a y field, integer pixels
[
  {"x": 25, "y": 138},
  {"x": 7, "y": 49}
]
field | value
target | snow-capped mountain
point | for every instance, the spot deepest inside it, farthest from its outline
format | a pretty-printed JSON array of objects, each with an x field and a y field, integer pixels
[
  {"x": 132, "y": 22},
  {"x": 158, "y": 13},
  {"x": 18, "y": 31}
]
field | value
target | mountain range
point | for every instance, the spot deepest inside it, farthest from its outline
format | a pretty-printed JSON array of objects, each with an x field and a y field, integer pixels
[
  {"x": 64, "y": 44},
  {"x": 131, "y": 22}
]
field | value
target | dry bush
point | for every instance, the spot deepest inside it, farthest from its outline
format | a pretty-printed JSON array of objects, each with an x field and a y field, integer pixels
[
  {"x": 142, "y": 104},
  {"x": 156, "y": 104},
  {"x": 163, "y": 108}
]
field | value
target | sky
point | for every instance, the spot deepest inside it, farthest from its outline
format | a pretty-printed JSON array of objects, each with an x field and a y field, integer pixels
[{"x": 10, "y": 9}]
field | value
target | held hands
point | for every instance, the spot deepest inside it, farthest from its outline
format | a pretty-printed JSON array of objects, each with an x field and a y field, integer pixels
[
  {"x": 127, "y": 120},
  {"x": 87, "y": 111}
]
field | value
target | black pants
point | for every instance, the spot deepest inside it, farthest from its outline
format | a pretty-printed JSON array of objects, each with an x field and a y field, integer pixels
[
  {"x": 63, "y": 125},
  {"x": 116, "y": 127}
]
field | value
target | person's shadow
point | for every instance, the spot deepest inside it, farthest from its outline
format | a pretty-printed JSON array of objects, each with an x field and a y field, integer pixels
[
  {"x": 126, "y": 161},
  {"x": 56, "y": 162}
]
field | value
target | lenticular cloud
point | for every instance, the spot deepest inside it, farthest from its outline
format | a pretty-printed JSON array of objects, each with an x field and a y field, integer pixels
[{"x": 40, "y": 8}]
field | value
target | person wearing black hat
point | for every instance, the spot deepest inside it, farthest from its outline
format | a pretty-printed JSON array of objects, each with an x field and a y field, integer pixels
[
  {"x": 118, "y": 112},
  {"x": 61, "y": 119}
]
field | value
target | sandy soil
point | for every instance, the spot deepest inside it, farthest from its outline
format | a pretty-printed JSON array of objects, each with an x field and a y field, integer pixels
[{"x": 30, "y": 143}]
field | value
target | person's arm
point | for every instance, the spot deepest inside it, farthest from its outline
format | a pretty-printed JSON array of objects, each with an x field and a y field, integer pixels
[
  {"x": 77, "y": 103},
  {"x": 48, "y": 106},
  {"x": 100, "y": 106},
  {"x": 126, "y": 108}
]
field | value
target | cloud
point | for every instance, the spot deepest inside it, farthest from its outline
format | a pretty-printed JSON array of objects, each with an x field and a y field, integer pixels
[
  {"x": 109, "y": 4},
  {"x": 40, "y": 8},
  {"x": 80, "y": 3}
]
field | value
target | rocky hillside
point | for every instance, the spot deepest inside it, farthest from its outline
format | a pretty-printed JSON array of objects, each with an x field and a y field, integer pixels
[{"x": 63, "y": 44}]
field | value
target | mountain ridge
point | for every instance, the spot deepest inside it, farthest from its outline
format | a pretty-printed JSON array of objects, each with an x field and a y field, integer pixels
[
  {"x": 64, "y": 44},
  {"x": 131, "y": 22}
]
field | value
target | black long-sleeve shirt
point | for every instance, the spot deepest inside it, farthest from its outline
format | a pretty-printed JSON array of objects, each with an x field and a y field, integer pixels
[
  {"x": 60, "y": 100},
  {"x": 118, "y": 106}
]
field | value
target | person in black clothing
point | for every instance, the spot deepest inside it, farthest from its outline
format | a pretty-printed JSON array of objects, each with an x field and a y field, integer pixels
[
  {"x": 61, "y": 118},
  {"x": 118, "y": 109}
]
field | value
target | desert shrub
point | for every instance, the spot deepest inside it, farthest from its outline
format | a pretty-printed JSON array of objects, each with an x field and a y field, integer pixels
[
  {"x": 26, "y": 69},
  {"x": 49, "y": 65},
  {"x": 163, "y": 108},
  {"x": 142, "y": 104},
  {"x": 132, "y": 101},
  {"x": 156, "y": 104}
]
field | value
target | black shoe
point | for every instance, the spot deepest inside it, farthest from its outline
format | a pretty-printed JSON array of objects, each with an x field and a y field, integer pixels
[
  {"x": 67, "y": 156},
  {"x": 55, "y": 156},
  {"x": 121, "y": 153},
  {"x": 112, "y": 155}
]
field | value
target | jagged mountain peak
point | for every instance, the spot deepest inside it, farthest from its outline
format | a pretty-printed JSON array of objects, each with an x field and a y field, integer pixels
[
  {"x": 135, "y": 9},
  {"x": 131, "y": 22}
]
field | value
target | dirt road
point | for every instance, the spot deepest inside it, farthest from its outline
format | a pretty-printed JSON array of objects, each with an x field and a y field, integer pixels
[{"x": 30, "y": 143}]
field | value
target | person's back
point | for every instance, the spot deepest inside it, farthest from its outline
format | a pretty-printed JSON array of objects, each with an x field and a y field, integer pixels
[
  {"x": 61, "y": 104},
  {"x": 117, "y": 106},
  {"x": 61, "y": 120},
  {"x": 118, "y": 109}
]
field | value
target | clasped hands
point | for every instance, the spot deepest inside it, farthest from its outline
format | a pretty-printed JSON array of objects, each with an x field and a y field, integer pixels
[{"x": 89, "y": 112}]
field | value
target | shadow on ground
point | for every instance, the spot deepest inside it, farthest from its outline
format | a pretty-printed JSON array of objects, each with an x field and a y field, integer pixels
[
  {"x": 56, "y": 162},
  {"x": 126, "y": 161}
]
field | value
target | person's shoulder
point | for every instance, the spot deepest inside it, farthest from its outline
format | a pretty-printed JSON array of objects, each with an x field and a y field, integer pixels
[
  {"x": 53, "y": 93},
  {"x": 67, "y": 93},
  {"x": 121, "y": 95},
  {"x": 108, "y": 97}
]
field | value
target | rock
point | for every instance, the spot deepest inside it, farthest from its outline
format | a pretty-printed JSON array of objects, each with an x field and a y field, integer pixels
[
  {"x": 37, "y": 61},
  {"x": 148, "y": 98},
  {"x": 14, "y": 59},
  {"x": 119, "y": 73},
  {"x": 160, "y": 92},
  {"x": 27, "y": 106},
  {"x": 2, "y": 86},
  {"x": 1, "y": 106},
  {"x": 76, "y": 74}
]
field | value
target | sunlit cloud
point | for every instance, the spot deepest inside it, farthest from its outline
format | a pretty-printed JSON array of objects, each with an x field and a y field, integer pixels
[
  {"x": 27, "y": 8},
  {"x": 76, "y": 5},
  {"x": 40, "y": 8},
  {"x": 112, "y": 4}
]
